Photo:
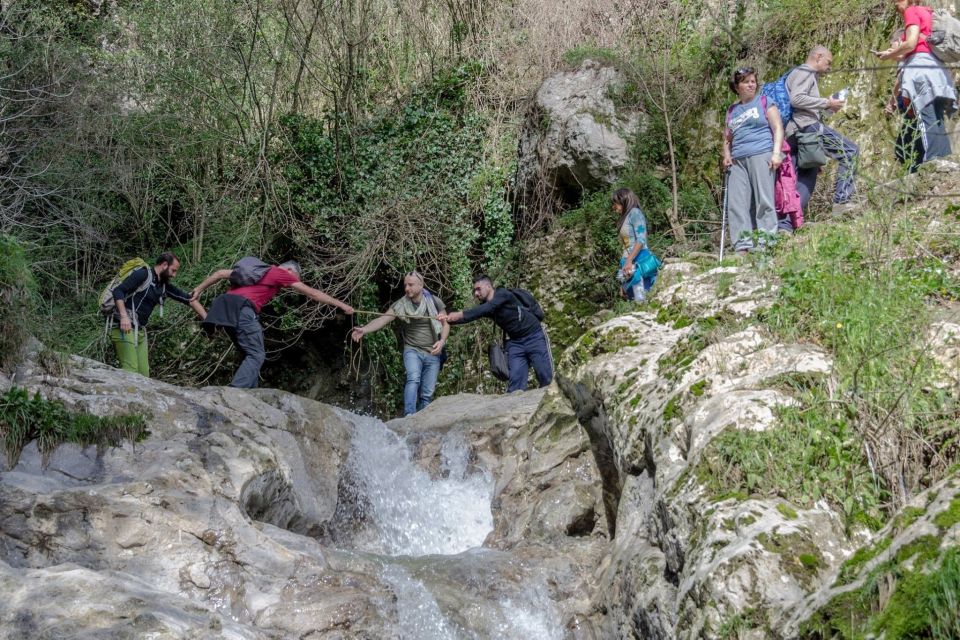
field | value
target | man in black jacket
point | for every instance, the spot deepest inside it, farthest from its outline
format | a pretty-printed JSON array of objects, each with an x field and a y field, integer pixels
[
  {"x": 526, "y": 342},
  {"x": 135, "y": 303}
]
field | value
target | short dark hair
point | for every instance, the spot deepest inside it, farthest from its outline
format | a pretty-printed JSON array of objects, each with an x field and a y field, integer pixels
[
  {"x": 741, "y": 74},
  {"x": 166, "y": 256},
  {"x": 483, "y": 278}
]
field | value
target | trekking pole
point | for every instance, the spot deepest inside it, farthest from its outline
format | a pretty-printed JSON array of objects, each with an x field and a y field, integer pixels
[{"x": 723, "y": 213}]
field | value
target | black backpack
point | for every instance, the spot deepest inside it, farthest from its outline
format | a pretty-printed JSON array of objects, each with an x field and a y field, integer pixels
[{"x": 528, "y": 302}]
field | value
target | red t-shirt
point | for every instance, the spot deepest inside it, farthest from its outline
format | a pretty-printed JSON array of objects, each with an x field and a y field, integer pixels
[
  {"x": 269, "y": 286},
  {"x": 923, "y": 18}
]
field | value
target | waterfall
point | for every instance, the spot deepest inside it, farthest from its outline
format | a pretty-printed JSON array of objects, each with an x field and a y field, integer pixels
[
  {"x": 413, "y": 514},
  {"x": 429, "y": 532}
]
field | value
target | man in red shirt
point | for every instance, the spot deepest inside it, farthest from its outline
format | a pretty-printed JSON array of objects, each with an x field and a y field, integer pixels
[{"x": 238, "y": 309}]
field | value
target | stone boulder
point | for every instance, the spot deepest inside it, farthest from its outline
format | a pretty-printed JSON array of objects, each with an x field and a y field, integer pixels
[
  {"x": 239, "y": 517},
  {"x": 576, "y": 136},
  {"x": 653, "y": 395}
]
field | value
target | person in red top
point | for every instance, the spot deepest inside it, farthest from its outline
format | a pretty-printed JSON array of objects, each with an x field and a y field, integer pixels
[
  {"x": 237, "y": 311},
  {"x": 925, "y": 86}
]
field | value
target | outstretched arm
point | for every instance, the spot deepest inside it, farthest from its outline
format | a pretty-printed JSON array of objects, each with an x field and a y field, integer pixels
[
  {"x": 198, "y": 309},
  {"x": 374, "y": 325},
  {"x": 321, "y": 297},
  {"x": 213, "y": 278}
]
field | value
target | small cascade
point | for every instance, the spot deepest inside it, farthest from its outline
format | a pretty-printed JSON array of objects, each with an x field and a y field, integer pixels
[
  {"x": 418, "y": 614},
  {"x": 404, "y": 511}
]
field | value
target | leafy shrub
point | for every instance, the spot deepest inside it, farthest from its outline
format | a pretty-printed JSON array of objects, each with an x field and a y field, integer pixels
[
  {"x": 24, "y": 418},
  {"x": 16, "y": 293}
]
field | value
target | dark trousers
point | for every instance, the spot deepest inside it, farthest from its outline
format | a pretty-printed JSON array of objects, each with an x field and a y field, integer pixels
[
  {"x": 522, "y": 353},
  {"x": 936, "y": 144},
  {"x": 841, "y": 149},
  {"x": 248, "y": 338}
]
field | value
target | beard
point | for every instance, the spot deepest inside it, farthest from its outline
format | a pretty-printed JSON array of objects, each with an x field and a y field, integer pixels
[{"x": 164, "y": 276}]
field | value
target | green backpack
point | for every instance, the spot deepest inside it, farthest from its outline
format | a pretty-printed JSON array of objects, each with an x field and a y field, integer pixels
[{"x": 106, "y": 302}]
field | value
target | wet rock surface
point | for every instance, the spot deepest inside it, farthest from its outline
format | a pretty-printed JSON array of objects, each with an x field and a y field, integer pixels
[{"x": 221, "y": 523}]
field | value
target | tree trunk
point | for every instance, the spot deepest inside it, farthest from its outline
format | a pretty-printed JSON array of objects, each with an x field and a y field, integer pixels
[{"x": 673, "y": 214}]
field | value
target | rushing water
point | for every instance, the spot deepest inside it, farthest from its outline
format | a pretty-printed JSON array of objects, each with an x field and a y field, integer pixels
[
  {"x": 413, "y": 514},
  {"x": 430, "y": 531}
]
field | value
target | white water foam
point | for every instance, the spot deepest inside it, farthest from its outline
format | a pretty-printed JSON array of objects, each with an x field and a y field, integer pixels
[
  {"x": 418, "y": 616},
  {"x": 413, "y": 514}
]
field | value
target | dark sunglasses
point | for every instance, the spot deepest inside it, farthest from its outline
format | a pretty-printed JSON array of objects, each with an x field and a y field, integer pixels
[{"x": 745, "y": 71}]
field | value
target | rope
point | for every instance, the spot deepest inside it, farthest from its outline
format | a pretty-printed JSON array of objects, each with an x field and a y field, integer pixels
[{"x": 394, "y": 315}]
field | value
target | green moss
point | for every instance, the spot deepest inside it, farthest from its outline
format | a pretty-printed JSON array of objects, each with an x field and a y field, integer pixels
[
  {"x": 852, "y": 566},
  {"x": 788, "y": 512},
  {"x": 799, "y": 556},
  {"x": 919, "y": 551},
  {"x": 672, "y": 410},
  {"x": 950, "y": 517},
  {"x": 923, "y": 603},
  {"x": 698, "y": 388},
  {"x": 809, "y": 561},
  {"x": 906, "y": 517},
  {"x": 705, "y": 330}
]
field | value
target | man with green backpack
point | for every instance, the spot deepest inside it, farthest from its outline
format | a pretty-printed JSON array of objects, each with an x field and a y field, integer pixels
[{"x": 129, "y": 300}]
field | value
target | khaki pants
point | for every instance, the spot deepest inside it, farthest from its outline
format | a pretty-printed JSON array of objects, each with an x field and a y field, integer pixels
[{"x": 133, "y": 357}]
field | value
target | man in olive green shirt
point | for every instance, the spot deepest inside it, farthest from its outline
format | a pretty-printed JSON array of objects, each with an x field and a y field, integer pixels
[{"x": 424, "y": 336}]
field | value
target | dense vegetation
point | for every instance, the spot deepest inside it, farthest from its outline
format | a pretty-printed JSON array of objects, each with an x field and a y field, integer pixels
[{"x": 362, "y": 138}]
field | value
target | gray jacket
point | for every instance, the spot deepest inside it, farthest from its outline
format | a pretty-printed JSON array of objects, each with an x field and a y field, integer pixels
[{"x": 804, "y": 97}]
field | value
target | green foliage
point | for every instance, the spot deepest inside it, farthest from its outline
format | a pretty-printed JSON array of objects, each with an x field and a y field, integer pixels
[
  {"x": 412, "y": 191},
  {"x": 868, "y": 306},
  {"x": 796, "y": 462},
  {"x": 924, "y": 603},
  {"x": 576, "y": 56},
  {"x": 17, "y": 289},
  {"x": 23, "y": 419}
]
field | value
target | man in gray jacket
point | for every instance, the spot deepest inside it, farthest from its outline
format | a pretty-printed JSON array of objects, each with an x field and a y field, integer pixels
[{"x": 807, "y": 107}]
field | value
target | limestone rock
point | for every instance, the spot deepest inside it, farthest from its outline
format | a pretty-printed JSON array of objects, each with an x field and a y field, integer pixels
[
  {"x": 229, "y": 519},
  {"x": 576, "y": 137},
  {"x": 653, "y": 396}
]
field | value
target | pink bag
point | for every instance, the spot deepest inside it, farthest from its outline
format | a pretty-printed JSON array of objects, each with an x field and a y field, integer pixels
[{"x": 786, "y": 199}]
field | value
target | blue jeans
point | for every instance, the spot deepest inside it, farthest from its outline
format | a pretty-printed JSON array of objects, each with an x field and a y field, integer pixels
[
  {"x": 524, "y": 352},
  {"x": 841, "y": 149},
  {"x": 422, "y": 371}
]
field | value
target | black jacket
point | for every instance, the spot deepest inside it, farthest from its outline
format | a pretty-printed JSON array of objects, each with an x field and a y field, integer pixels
[
  {"x": 507, "y": 313},
  {"x": 142, "y": 303}
]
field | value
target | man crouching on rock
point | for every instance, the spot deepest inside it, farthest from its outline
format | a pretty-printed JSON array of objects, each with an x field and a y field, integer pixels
[{"x": 253, "y": 284}]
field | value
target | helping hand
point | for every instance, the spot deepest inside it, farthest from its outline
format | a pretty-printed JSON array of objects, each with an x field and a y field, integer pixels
[
  {"x": 358, "y": 333},
  {"x": 347, "y": 309}
]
